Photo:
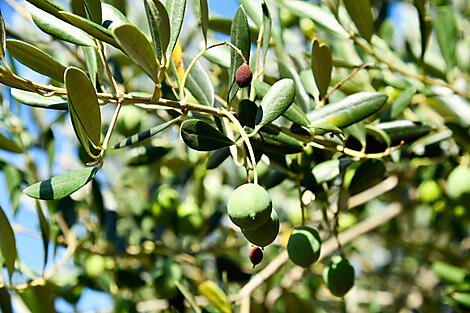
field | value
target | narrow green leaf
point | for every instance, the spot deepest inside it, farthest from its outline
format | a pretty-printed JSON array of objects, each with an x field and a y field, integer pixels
[
  {"x": 137, "y": 138},
  {"x": 348, "y": 111},
  {"x": 159, "y": 24},
  {"x": 278, "y": 99},
  {"x": 295, "y": 114},
  {"x": 252, "y": 9},
  {"x": 35, "y": 59},
  {"x": 217, "y": 157},
  {"x": 78, "y": 7},
  {"x": 215, "y": 296},
  {"x": 7, "y": 243},
  {"x": 39, "y": 299},
  {"x": 3, "y": 37},
  {"x": 402, "y": 102},
  {"x": 405, "y": 130},
  {"x": 274, "y": 141},
  {"x": 188, "y": 296},
  {"x": 13, "y": 178},
  {"x": 301, "y": 96},
  {"x": 92, "y": 63},
  {"x": 60, "y": 29},
  {"x": 82, "y": 98},
  {"x": 321, "y": 65},
  {"x": 93, "y": 9},
  {"x": 95, "y": 30},
  {"x": 5, "y": 301},
  {"x": 321, "y": 128},
  {"x": 44, "y": 227},
  {"x": 266, "y": 30},
  {"x": 361, "y": 14},
  {"x": 199, "y": 83},
  {"x": 137, "y": 46},
  {"x": 425, "y": 24},
  {"x": 329, "y": 170},
  {"x": 449, "y": 273},
  {"x": 204, "y": 11},
  {"x": 35, "y": 100},
  {"x": 9, "y": 145},
  {"x": 112, "y": 17},
  {"x": 199, "y": 135},
  {"x": 80, "y": 132},
  {"x": 462, "y": 298},
  {"x": 446, "y": 32},
  {"x": 176, "y": 9},
  {"x": 240, "y": 37},
  {"x": 321, "y": 16},
  {"x": 358, "y": 131},
  {"x": 47, "y": 6},
  {"x": 61, "y": 186}
]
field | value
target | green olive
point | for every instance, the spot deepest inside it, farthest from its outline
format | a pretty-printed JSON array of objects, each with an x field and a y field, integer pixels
[
  {"x": 429, "y": 191},
  {"x": 164, "y": 278},
  {"x": 304, "y": 246},
  {"x": 189, "y": 220},
  {"x": 338, "y": 276},
  {"x": 266, "y": 233},
  {"x": 128, "y": 122},
  {"x": 164, "y": 205},
  {"x": 249, "y": 206}
]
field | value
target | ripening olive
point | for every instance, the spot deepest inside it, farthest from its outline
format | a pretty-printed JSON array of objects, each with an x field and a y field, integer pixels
[
  {"x": 249, "y": 206},
  {"x": 304, "y": 246},
  {"x": 266, "y": 233}
]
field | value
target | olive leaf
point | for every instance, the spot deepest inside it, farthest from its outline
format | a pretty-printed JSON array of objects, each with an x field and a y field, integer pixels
[
  {"x": 274, "y": 141},
  {"x": 5, "y": 301},
  {"x": 277, "y": 100},
  {"x": 78, "y": 7},
  {"x": 329, "y": 170},
  {"x": 92, "y": 63},
  {"x": 217, "y": 157},
  {"x": 199, "y": 135},
  {"x": 215, "y": 296},
  {"x": 204, "y": 11},
  {"x": 159, "y": 24},
  {"x": 45, "y": 232},
  {"x": 321, "y": 66},
  {"x": 223, "y": 25},
  {"x": 137, "y": 46},
  {"x": 35, "y": 100},
  {"x": 322, "y": 17},
  {"x": 240, "y": 37},
  {"x": 404, "y": 130},
  {"x": 402, "y": 102},
  {"x": 84, "y": 102},
  {"x": 112, "y": 17},
  {"x": 47, "y": 6},
  {"x": 425, "y": 24},
  {"x": 137, "y": 138},
  {"x": 361, "y": 14},
  {"x": 301, "y": 96},
  {"x": 176, "y": 9},
  {"x": 348, "y": 111},
  {"x": 446, "y": 32},
  {"x": 95, "y": 30},
  {"x": 61, "y": 186},
  {"x": 2, "y": 41},
  {"x": 36, "y": 59},
  {"x": 9, "y": 145},
  {"x": 199, "y": 83},
  {"x": 93, "y": 10},
  {"x": 252, "y": 9},
  {"x": 60, "y": 29},
  {"x": 266, "y": 30},
  {"x": 449, "y": 273},
  {"x": 7, "y": 243}
]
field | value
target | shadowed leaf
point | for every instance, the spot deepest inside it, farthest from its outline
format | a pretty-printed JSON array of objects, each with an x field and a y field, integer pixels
[
  {"x": 201, "y": 136},
  {"x": 321, "y": 65},
  {"x": 7, "y": 243},
  {"x": 361, "y": 14}
]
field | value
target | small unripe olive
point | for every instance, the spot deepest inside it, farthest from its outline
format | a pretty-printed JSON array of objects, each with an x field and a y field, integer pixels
[
  {"x": 266, "y": 233},
  {"x": 128, "y": 122},
  {"x": 304, "y": 246},
  {"x": 338, "y": 276},
  {"x": 189, "y": 219},
  {"x": 164, "y": 277},
  {"x": 243, "y": 76},
  {"x": 429, "y": 191},
  {"x": 249, "y": 206},
  {"x": 256, "y": 256}
]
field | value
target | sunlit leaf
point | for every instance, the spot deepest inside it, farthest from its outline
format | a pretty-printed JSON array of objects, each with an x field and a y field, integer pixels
[
  {"x": 252, "y": 9},
  {"x": 215, "y": 296},
  {"x": 137, "y": 46},
  {"x": 329, "y": 170},
  {"x": 348, "y": 111},
  {"x": 7, "y": 243},
  {"x": 301, "y": 96},
  {"x": 137, "y": 138},
  {"x": 61, "y": 186},
  {"x": 278, "y": 99},
  {"x": 60, "y": 29},
  {"x": 266, "y": 30},
  {"x": 36, "y": 59},
  {"x": 446, "y": 32},
  {"x": 9, "y": 145},
  {"x": 199, "y": 135},
  {"x": 176, "y": 9},
  {"x": 199, "y": 83},
  {"x": 82, "y": 98},
  {"x": 159, "y": 24}
]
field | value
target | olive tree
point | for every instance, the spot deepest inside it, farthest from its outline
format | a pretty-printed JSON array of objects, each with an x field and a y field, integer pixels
[{"x": 300, "y": 156}]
